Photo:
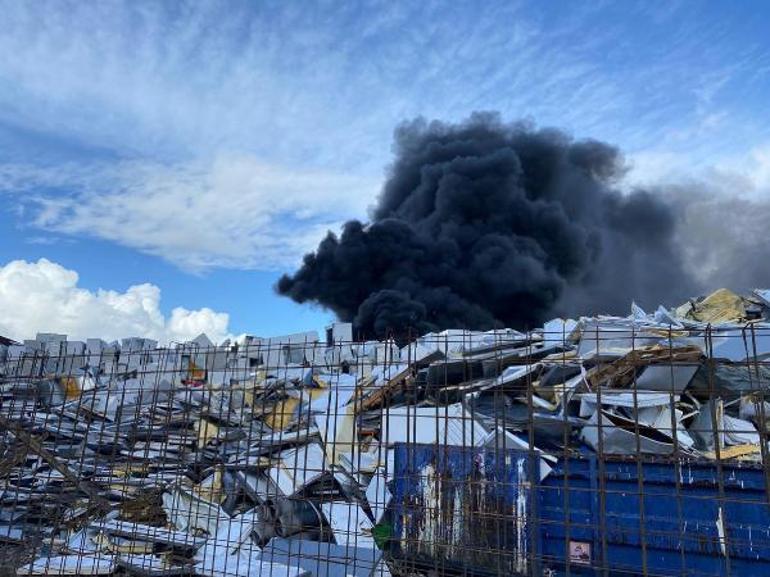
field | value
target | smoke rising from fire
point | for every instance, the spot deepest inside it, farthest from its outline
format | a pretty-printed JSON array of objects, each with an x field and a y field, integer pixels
[{"x": 484, "y": 224}]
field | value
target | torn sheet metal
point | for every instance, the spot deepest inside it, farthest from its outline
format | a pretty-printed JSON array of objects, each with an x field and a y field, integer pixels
[
  {"x": 660, "y": 418},
  {"x": 152, "y": 566},
  {"x": 510, "y": 376},
  {"x": 214, "y": 562},
  {"x": 627, "y": 399},
  {"x": 739, "y": 431},
  {"x": 608, "y": 339},
  {"x": 75, "y": 565},
  {"x": 731, "y": 380},
  {"x": 665, "y": 377},
  {"x": 299, "y": 516},
  {"x": 339, "y": 390},
  {"x": 350, "y": 525},
  {"x": 233, "y": 534},
  {"x": 326, "y": 559},
  {"x": 454, "y": 343},
  {"x": 559, "y": 332},
  {"x": 142, "y": 532},
  {"x": 378, "y": 495},
  {"x": 258, "y": 486},
  {"x": 741, "y": 344},
  {"x": 452, "y": 425},
  {"x": 188, "y": 511},
  {"x": 622, "y": 436},
  {"x": 707, "y": 429},
  {"x": 283, "y": 415},
  {"x": 338, "y": 431},
  {"x": 502, "y": 440},
  {"x": 298, "y": 468}
]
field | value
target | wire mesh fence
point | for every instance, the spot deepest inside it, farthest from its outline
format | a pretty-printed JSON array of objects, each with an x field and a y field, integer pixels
[{"x": 604, "y": 447}]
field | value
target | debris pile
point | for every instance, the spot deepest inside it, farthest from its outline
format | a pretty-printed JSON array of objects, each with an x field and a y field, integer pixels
[{"x": 277, "y": 454}]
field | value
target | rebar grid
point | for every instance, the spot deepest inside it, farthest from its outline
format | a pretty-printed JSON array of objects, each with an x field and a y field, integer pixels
[{"x": 627, "y": 450}]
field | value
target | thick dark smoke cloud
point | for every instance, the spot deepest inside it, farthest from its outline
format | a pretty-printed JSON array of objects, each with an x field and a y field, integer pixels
[{"x": 484, "y": 224}]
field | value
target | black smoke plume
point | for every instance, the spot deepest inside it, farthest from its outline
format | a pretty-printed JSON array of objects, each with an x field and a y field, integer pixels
[{"x": 485, "y": 224}]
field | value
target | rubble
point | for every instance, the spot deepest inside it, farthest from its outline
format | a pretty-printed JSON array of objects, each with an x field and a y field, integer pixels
[{"x": 277, "y": 454}]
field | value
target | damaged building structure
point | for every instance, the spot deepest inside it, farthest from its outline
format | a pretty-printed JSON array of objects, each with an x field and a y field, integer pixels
[{"x": 306, "y": 455}]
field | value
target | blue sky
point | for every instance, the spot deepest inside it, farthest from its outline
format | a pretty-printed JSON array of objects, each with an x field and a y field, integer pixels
[{"x": 202, "y": 148}]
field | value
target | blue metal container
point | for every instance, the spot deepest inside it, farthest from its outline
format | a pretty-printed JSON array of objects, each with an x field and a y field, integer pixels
[
  {"x": 463, "y": 510},
  {"x": 487, "y": 511}
]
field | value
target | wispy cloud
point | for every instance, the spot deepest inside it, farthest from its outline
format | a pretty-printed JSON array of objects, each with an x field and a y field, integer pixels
[{"x": 233, "y": 212}]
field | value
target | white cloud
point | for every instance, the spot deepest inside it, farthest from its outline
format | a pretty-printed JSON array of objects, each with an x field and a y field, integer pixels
[
  {"x": 232, "y": 212},
  {"x": 303, "y": 88},
  {"x": 44, "y": 296}
]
